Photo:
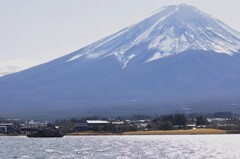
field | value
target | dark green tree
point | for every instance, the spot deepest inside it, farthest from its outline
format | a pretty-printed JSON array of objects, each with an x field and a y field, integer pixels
[
  {"x": 201, "y": 120},
  {"x": 180, "y": 119},
  {"x": 166, "y": 125}
]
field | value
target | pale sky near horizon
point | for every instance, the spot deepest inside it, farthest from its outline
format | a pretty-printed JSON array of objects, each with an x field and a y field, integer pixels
[{"x": 33, "y": 32}]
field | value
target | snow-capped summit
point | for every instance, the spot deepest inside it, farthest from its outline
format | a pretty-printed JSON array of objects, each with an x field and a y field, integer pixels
[
  {"x": 178, "y": 57},
  {"x": 173, "y": 29}
]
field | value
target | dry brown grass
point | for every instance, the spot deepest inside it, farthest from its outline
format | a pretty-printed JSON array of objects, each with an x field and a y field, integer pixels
[
  {"x": 157, "y": 132},
  {"x": 177, "y": 132}
]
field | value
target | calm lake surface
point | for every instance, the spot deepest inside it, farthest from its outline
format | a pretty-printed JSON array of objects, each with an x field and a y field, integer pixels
[{"x": 110, "y": 147}]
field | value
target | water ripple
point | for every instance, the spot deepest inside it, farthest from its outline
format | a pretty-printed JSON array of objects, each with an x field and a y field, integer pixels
[{"x": 122, "y": 147}]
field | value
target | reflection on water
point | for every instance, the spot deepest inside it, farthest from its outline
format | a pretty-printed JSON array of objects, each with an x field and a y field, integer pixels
[{"x": 173, "y": 147}]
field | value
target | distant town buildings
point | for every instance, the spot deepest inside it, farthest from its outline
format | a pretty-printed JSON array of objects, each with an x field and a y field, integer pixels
[{"x": 226, "y": 121}]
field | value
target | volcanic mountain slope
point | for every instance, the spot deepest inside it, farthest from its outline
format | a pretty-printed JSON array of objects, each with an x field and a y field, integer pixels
[{"x": 177, "y": 57}]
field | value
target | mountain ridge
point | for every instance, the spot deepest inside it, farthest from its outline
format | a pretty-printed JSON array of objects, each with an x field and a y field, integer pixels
[
  {"x": 221, "y": 46},
  {"x": 185, "y": 60}
]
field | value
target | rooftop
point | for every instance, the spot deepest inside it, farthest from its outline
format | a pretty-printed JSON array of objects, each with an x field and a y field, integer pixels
[{"x": 97, "y": 122}]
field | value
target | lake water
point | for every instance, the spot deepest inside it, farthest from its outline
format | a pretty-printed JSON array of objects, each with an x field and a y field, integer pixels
[{"x": 110, "y": 147}]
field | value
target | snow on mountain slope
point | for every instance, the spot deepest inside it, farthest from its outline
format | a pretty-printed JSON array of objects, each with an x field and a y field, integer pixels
[
  {"x": 172, "y": 30},
  {"x": 176, "y": 57}
]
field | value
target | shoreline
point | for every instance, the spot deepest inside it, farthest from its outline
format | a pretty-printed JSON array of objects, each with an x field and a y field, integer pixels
[
  {"x": 203, "y": 131},
  {"x": 156, "y": 132}
]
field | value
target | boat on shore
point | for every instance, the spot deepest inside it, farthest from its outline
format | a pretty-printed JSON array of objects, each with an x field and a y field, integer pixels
[
  {"x": 41, "y": 134},
  {"x": 48, "y": 132}
]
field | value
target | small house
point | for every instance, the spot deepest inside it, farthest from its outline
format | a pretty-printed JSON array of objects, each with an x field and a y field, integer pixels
[{"x": 93, "y": 125}]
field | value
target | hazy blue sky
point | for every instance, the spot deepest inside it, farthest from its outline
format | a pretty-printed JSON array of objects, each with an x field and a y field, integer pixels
[{"x": 35, "y": 31}]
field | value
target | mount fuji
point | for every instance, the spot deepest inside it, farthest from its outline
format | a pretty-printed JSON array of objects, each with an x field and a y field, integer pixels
[{"x": 177, "y": 58}]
